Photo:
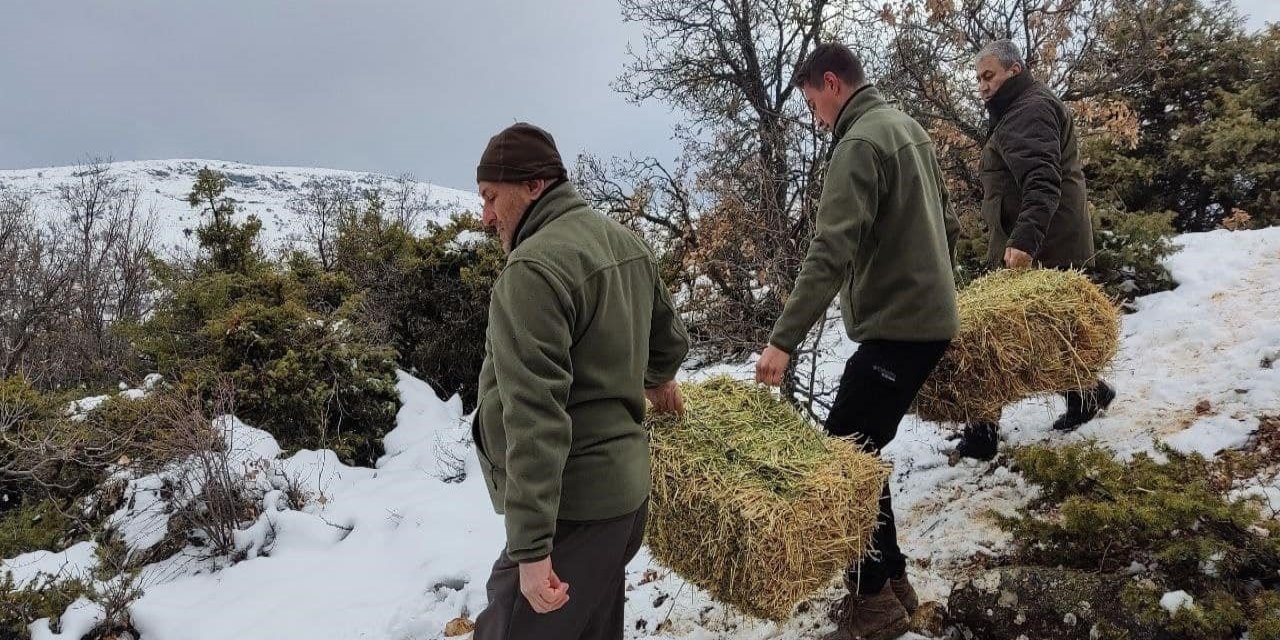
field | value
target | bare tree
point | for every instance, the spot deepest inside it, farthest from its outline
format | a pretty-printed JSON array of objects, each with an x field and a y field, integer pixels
[
  {"x": 410, "y": 203},
  {"x": 734, "y": 215},
  {"x": 37, "y": 275},
  {"x": 321, "y": 206},
  {"x": 112, "y": 239},
  {"x": 71, "y": 275}
]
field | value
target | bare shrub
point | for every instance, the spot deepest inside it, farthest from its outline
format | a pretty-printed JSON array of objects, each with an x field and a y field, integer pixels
[
  {"x": 71, "y": 276},
  {"x": 210, "y": 497}
]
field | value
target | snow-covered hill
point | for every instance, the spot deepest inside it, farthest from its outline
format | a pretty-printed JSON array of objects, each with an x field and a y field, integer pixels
[
  {"x": 263, "y": 191},
  {"x": 395, "y": 552}
]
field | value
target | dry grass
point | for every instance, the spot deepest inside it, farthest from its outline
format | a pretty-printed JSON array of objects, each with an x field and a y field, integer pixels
[
  {"x": 1022, "y": 334},
  {"x": 752, "y": 503}
]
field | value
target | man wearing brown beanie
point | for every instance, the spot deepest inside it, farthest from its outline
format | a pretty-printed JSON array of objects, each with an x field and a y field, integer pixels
[{"x": 581, "y": 331}]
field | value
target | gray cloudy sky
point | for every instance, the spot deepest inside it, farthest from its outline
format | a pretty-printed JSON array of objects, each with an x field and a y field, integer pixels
[{"x": 379, "y": 85}]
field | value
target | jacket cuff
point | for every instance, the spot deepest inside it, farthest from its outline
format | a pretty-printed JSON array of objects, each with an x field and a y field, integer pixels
[
  {"x": 529, "y": 555},
  {"x": 1023, "y": 245},
  {"x": 777, "y": 341},
  {"x": 528, "y": 560}
]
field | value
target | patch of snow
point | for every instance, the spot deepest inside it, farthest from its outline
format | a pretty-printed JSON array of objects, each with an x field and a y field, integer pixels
[
  {"x": 468, "y": 239},
  {"x": 1175, "y": 601},
  {"x": 1210, "y": 435},
  {"x": 134, "y": 394},
  {"x": 79, "y": 619},
  {"x": 77, "y": 408},
  {"x": 76, "y": 561}
]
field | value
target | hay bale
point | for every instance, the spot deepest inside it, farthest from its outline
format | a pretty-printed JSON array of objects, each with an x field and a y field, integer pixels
[
  {"x": 752, "y": 503},
  {"x": 1022, "y": 334}
]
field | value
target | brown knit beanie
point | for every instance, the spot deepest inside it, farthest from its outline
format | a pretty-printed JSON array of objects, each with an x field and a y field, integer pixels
[{"x": 520, "y": 152}]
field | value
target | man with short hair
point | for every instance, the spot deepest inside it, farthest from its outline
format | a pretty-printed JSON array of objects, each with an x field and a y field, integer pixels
[
  {"x": 581, "y": 331},
  {"x": 884, "y": 240},
  {"x": 1034, "y": 202}
]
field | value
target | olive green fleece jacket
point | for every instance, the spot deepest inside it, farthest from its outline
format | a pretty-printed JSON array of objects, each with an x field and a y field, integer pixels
[
  {"x": 580, "y": 324},
  {"x": 885, "y": 234}
]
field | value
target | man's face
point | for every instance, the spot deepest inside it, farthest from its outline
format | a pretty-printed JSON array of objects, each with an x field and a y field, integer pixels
[
  {"x": 992, "y": 75},
  {"x": 505, "y": 203},
  {"x": 825, "y": 100}
]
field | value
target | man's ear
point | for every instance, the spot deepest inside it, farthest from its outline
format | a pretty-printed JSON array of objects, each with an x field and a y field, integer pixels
[
  {"x": 1016, "y": 68},
  {"x": 831, "y": 81}
]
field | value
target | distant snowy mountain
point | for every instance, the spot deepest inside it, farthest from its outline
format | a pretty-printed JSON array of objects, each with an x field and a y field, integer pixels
[{"x": 263, "y": 191}]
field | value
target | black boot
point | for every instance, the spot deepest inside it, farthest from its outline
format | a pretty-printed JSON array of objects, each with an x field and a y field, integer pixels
[
  {"x": 979, "y": 441},
  {"x": 1083, "y": 406}
]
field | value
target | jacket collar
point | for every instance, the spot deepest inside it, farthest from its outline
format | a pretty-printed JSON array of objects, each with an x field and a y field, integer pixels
[
  {"x": 559, "y": 198},
  {"x": 1009, "y": 92},
  {"x": 863, "y": 100}
]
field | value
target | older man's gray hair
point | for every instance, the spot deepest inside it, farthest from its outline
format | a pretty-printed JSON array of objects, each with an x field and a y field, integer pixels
[{"x": 1005, "y": 51}]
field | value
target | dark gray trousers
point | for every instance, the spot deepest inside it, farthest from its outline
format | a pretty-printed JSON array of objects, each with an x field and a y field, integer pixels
[{"x": 592, "y": 557}]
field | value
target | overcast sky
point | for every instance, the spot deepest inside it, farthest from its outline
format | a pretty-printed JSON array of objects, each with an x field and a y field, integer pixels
[{"x": 390, "y": 86}]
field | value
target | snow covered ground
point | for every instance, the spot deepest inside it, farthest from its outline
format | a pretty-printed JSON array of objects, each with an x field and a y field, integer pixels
[
  {"x": 397, "y": 551},
  {"x": 163, "y": 186}
]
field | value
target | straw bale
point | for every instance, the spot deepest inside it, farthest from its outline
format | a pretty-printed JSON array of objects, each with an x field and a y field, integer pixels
[
  {"x": 1022, "y": 334},
  {"x": 752, "y": 503}
]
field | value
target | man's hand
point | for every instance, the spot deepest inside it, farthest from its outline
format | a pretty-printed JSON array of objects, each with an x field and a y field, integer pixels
[
  {"x": 1016, "y": 258},
  {"x": 772, "y": 365},
  {"x": 542, "y": 587},
  {"x": 666, "y": 398}
]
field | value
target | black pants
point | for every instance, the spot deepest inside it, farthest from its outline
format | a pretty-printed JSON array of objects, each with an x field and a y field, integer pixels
[
  {"x": 879, "y": 384},
  {"x": 592, "y": 557}
]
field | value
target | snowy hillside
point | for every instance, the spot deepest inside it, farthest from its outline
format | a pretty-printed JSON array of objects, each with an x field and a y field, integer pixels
[
  {"x": 262, "y": 191},
  {"x": 394, "y": 553}
]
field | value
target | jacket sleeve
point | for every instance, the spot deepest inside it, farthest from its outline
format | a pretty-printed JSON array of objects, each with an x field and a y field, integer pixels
[
  {"x": 850, "y": 196},
  {"x": 668, "y": 340},
  {"x": 1031, "y": 144},
  {"x": 530, "y": 328},
  {"x": 951, "y": 223}
]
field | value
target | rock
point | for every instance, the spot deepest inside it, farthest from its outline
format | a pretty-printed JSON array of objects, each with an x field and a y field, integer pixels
[
  {"x": 459, "y": 627},
  {"x": 1203, "y": 407}
]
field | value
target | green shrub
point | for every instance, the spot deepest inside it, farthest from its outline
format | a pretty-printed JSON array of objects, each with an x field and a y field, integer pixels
[
  {"x": 292, "y": 346},
  {"x": 36, "y": 525},
  {"x": 1129, "y": 249},
  {"x": 1096, "y": 513},
  {"x": 427, "y": 296},
  {"x": 289, "y": 339},
  {"x": 47, "y": 598},
  {"x": 1265, "y": 615},
  {"x": 1107, "y": 514}
]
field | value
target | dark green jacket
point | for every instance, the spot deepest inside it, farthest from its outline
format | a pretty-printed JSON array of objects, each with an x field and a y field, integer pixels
[
  {"x": 885, "y": 234},
  {"x": 579, "y": 325},
  {"x": 1034, "y": 196}
]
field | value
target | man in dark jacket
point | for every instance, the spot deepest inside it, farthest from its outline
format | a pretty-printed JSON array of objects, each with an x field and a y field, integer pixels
[
  {"x": 884, "y": 240},
  {"x": 581, "y": 331},
  {"x": 1034, "y": 203}
]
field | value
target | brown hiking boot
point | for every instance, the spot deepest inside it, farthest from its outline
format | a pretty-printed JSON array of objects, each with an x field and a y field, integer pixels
[
  {"x": 906, "y": 595},
  {"x": 873, "y": 617}
]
